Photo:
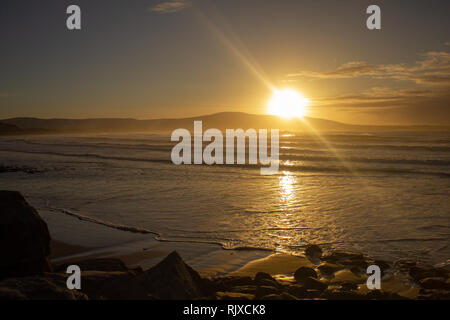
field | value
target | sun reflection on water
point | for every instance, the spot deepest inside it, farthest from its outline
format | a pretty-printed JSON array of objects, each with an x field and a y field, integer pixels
[{"x": 287, "y": 182}]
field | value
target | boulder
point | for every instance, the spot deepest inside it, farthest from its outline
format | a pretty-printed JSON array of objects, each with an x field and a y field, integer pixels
[
  {"x": 265, "y": 290},
  {"x": 303, "y": 273},
  {"x": 313, "y": 252},
  {"x": 172, "y": 279},
  {"x": 24, "y": 238},
  {"x": 267, "y": 282},
  {"x": 261, "y": 276},
  {"x": 434, "y": 283},
  {"x": 40, "y": 288},
  {"x": 113, "y": 285},
  {"x": 297, "y": 291},
  {"x": 343, "y": 256},
  {"x": 329, "y": 268},
  {"x": 314, "y": 284}
]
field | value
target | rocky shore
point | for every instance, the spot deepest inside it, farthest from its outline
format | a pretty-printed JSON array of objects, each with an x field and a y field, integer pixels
[{"x": 26, "y": 273}]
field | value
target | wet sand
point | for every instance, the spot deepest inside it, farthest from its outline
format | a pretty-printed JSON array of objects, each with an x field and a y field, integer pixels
[{"x": 87, "y": 240}]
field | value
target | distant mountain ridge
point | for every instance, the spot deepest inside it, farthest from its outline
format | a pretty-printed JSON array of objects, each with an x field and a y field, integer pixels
[
  {"x": 223, "y": 120},
  {"x": 8, "y": 128}
]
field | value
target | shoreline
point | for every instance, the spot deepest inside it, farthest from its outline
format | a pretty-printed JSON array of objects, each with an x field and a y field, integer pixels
[
  {"x": 129, "y": 266},
  {"x": 75, "y": 240},
  {"x": 279, "y": 266}
]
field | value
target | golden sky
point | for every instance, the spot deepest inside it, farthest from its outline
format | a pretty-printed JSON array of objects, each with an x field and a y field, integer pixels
[{"x": 152, "y": 59}]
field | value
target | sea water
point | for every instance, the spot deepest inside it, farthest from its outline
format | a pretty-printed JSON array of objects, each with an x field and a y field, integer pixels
[{"x": 384, "y": 194}]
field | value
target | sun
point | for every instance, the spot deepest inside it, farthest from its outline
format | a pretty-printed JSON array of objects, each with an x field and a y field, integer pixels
[{"x": 288, "y": 103}]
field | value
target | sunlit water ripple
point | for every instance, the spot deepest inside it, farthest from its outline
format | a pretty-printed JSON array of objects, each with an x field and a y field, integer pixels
[{"x": 383, "y": 194}]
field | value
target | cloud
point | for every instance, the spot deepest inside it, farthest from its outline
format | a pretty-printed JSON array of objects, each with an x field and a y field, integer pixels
[
  {"x": 170, "y": 6},
  {"x": 433, "y": 69},
  {"x": 417, "y": 92},
  {"x": 401, "y": 106},
  {"x": 377, "y": 96}
]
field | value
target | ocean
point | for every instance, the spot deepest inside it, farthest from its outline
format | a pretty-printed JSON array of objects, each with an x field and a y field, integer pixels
[{"x": 384, "y": 194}]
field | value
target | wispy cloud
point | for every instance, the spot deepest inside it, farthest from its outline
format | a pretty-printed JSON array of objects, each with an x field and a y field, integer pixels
[
  {"x": 170, "y": 6},
  {"x": 376, "y": 96},
  {"x": 433, "y": 69}
]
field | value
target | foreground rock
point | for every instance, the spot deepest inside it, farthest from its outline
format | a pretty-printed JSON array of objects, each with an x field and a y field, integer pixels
[
  {"x": 25, "y": 239},
  {"x": 303, "y": 273},
  {"x": 174, "y": 280},
  {"x": 265, "y": 279},
  {"x": 313, "y": 283},
  {"x": 114, "y": 285},
  {"x": 313, "y": 252},
  {"x": 42, "y": 287}
]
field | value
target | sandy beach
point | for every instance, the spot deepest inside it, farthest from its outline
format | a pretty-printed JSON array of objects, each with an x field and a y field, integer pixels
[
  {"x": 210, "y": 261},
  {"x": 74, "y": 240}
]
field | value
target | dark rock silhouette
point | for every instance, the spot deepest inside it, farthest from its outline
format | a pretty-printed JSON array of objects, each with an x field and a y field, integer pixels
[
  {"x": 303, "y": 273},
  {"x": 113, "y": 285},
  {"x": 313, "y": 283},
  {"x": 297, "y": 291},
  {"x": 174, "y": 279},
  {"x": 42, "y": 287},
  {"x": 265, "y": 279},
  {"x": 313, "y": 251},
  {"x": 328, "y": 268},
  {"x": 24, "y": 238}
]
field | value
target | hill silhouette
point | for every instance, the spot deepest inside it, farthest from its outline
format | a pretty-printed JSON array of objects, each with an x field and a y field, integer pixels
[{"x": 222, "y": 121}]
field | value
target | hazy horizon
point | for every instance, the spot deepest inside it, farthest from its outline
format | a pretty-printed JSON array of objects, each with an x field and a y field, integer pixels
[{"x": 221, "y": 120}]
